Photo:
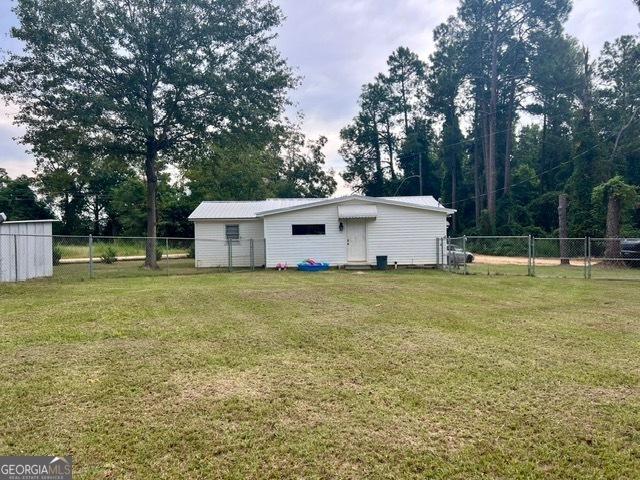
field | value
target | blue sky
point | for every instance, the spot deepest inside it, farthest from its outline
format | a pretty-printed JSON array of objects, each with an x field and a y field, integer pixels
[{"x": 338, "y": 45}]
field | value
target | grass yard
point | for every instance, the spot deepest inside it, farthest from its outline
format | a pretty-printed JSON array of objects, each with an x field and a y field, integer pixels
[{"x": 410, "y": 374}]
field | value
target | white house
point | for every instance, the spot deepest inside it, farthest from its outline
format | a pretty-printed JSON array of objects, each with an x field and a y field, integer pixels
[
  {"x": 26, "y": 250},
  {"x": 350, "y": 230}
]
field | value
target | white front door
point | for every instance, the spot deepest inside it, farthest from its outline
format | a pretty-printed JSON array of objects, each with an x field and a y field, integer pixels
[{"x": 356, "y": 240}]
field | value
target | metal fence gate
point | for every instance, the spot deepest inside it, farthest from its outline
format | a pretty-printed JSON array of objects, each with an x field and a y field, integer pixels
[{"x": 598, "y": 258}]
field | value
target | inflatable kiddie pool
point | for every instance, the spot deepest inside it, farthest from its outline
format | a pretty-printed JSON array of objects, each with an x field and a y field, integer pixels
[{"x": 311, "y": 265}]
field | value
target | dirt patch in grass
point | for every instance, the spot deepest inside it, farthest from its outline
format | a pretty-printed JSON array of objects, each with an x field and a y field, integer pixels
[{"x": 225, "y": 385}]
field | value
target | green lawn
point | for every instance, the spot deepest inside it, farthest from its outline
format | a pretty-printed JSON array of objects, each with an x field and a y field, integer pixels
[{"x": 410, "y": 374}]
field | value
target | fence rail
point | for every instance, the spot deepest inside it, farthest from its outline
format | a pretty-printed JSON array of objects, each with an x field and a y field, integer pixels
[{"x": 602, "y": 258}]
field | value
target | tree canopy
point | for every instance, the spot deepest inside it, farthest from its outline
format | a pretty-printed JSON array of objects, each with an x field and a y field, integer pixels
[
  {"x": 510, "y": 111},
  {"x": 145, "y": 81}
]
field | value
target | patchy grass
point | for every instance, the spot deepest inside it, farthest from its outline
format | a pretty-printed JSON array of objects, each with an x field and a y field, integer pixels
[{"x": 285, "y": 375}]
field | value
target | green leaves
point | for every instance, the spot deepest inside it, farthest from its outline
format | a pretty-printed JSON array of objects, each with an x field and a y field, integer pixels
[
  {"x": 616, "y": 188},
  {"x": 145, "y": 82}
]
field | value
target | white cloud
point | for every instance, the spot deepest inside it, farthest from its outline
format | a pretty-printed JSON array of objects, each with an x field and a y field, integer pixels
[{"x": 595, "y": 21}]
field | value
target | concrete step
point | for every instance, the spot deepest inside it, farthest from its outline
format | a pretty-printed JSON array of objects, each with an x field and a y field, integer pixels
[{"x": 357, "y": 266}]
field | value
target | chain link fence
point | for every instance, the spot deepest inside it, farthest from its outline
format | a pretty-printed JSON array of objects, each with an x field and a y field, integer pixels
[
  {"x": 598, "y": 258},
  {"x": 613, "y": 258},
  {"x": 25, "y": 257},
  {"x": 499, "y": 255},
  {"x": 561, "y": 257}
]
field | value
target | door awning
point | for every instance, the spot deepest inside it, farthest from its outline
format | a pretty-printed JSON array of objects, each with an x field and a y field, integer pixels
[{"x": 357, "y": 211}]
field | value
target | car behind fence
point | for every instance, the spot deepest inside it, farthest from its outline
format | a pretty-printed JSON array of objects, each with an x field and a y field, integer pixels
[{"x": 599, "y": 258}]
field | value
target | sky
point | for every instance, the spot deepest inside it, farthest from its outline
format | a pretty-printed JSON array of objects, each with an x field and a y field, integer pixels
[{"x": 336, "y": 46}]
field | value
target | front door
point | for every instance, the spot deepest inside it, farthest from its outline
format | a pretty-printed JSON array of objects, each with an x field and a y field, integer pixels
[{"x": 356, "y": 241}]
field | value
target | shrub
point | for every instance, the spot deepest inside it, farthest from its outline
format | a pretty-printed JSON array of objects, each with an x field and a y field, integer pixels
[
  {"x": 109, "y": 256},
  {"x": 159, "y": 254},
  {"x": 57, "y": 254},
  {"x": 191, "y": 252}
]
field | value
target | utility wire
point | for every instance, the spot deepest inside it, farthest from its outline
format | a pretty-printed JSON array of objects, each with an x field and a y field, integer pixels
[{"x": 536, "y": 174}]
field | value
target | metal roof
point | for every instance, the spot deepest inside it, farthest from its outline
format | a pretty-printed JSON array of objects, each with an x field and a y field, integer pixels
[
  {"x": 357, "y": 211},
  {"x": 14, "y": 222},
  {"x": 231, "y": 210},
  {"x": 239, "y": 210}
]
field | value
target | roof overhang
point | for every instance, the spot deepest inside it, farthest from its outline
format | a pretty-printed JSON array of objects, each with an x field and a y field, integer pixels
[
  {"x": 371, "y": 200},
  {"x": 357, "y": 211},
  {"x": 17, "y": 222}
]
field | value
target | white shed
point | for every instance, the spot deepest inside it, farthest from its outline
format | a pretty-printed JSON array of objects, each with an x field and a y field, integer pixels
[
  {"x": 26, "y": 250},
  {"x": 350, "y": 230}
]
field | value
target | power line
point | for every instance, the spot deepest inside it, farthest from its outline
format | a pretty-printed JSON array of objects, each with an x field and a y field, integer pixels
[{"x": 536, "y": 174}]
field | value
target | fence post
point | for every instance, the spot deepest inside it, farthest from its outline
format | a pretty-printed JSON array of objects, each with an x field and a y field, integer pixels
[
  {"x": 529, "y": 272},
  {"x": 252, "y": 259},
  {"x": 230, "y": 253},
  {"x": 445, "y": 246},
  {"x": 91, "y": 256},
  {"x": 586, "y": 254},
  {"x": 533, "y": 256},
  {"x": 166, "y": 249},
  {"x": 589, "y": 255},
  {"x": 464, "y": 252},
  {"x": 15, "y": 255}
]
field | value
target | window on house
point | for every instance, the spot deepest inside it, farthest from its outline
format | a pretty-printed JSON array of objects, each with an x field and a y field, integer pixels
[
  {"x": 232, "y": 232},
  {"x": 319, "y": 229}
]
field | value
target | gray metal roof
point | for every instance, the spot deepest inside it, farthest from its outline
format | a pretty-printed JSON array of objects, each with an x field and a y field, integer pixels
[
  {"x": 232, "y": 210},
  {"x": 239, "y": 210},
  {"x": 14, "y": 222}
]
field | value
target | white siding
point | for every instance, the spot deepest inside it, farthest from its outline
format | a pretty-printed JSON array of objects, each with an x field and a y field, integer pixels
[
  {"x": 212, "y": 250},
  {"x": 405, "y": 235},
  {"x": 34, "y": 248},
  {"x": 283, "y": 247}
]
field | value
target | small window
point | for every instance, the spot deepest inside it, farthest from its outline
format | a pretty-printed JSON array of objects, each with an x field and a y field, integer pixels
[
  {"x": 319, "y": 229},
  {"x": 232, "y": 232}
]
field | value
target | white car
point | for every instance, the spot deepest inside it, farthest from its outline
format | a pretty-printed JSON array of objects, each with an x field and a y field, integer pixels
[{"x": 458, "y": 256}]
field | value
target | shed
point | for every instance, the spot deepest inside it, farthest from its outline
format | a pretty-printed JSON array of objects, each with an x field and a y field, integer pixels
[{"x": 26, "y": 250}]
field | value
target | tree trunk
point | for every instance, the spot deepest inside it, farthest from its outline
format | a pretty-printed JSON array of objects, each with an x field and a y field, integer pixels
[
  {"x": 96, "y": 218},
  {"x": 454, "y": 196},
  {"x": 542, "y": 160},
  {"x": 492, "y": 114},
  {"x": 405, "y": 108},
  {"x": 508, "y": 143},
  {"x": 613, "y": 229},
  {"x": 150, "y": 169},
  {"x": 485, "y": 153},
  {"x": 563, "y": 201},
  {"x": 389, "y": 135},
  {"x": 476, "y": 182}
]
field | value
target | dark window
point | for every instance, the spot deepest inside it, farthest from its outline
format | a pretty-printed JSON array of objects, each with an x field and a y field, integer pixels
[
  {"x": 319, "y": 229},
  {"x": 232, "y": 232}
]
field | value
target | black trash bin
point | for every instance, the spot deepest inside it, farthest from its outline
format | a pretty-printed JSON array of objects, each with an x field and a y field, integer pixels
[{"x": 381, "y": 262}]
